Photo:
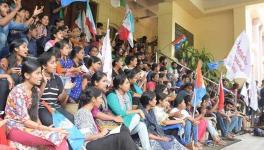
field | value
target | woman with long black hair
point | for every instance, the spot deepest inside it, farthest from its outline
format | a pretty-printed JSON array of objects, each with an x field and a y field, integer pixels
[
  {"x": 99, "y": 139},
  {"x": 18, "y": 53},
  {"x": 22, "y": 113},
  {"x": 77, "y": 55},
  {"x": 52, "y": 88},
  {"x": 103, "y": 115},
  {"x": 120, "y": 102}
]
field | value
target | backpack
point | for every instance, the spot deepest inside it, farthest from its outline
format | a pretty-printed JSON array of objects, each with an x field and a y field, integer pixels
[{"x": 258, "y": 132}]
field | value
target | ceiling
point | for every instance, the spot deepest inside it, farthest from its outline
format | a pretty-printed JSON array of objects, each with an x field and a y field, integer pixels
[
  {"x": 145, "y": 9},
  {"x": 211, "y": 4},
  {"x": 148, "y": 9}
]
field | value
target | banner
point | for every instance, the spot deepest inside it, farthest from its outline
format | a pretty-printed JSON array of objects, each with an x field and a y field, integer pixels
[
  {"x": 253, "y": 94},
  {"x": 107, "y": 54},
  {"x": 238, "y": 62}
]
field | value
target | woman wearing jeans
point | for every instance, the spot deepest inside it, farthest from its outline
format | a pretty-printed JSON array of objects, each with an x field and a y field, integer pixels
[{"x": 120, "y": 102}]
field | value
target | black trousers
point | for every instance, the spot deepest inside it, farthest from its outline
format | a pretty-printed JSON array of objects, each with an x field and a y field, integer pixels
[
  {"x": 4, "y": 91},
  {"x": 120, "y": 141},
  {"x": 46, "y": 118}
]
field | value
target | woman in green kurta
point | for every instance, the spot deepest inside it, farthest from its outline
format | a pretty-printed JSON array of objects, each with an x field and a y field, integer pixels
[{"x": 120, "y": 102}]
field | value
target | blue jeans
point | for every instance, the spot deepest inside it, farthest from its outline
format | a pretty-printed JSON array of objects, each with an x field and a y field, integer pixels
[
  {"x": 239, "y": 124},
  {"x": 233, "y": 124},
  {"x": 226, "y": 127},
  {"x": 222, "y": 124},
  {"x": 188, "y": 130}
]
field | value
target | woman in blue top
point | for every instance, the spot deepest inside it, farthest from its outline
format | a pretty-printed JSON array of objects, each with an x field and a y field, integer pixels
[
  {"x": 120, "y": 102},
  {"x": 77, "y": 55}
]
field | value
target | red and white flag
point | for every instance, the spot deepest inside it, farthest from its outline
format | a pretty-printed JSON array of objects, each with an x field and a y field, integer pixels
[
  {"x": 126, "y": 30},
  {"x": 81, "y": 23},
  {"x": 89, "y": 20}
]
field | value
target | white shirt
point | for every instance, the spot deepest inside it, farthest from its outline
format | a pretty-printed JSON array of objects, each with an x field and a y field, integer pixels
[
  {"x": 183, "y": 112},
  {"x": 160, "y": 114}
]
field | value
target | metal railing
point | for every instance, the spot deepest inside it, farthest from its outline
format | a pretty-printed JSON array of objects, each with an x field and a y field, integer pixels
[{"x": 171, "y": 59}]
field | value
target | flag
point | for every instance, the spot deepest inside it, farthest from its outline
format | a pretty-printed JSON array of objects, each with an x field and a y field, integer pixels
[
  {"x": 80, "y": 22},
  {"x": 213, "y": 65},
  {"x": 89, "y": 20},
  {"x": 238, "y": 62},
  {"x": 244, "y": 92},
  {"x": 199, "y": 87},
  {"x": 253, "y": 94},
  {"x": 221, "y": 95},
  {"x": 126, "y": 30},
  {"x": 75, "y": 137},
  {"x": 65, "y": 3},
  {"x": 118, "y": 3},
  {"x": 179, "y": 41},
  {"x": 107, "y": 54}
]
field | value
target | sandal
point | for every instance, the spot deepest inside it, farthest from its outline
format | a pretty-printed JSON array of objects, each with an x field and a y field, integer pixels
[{"x": 220, "y": 142}]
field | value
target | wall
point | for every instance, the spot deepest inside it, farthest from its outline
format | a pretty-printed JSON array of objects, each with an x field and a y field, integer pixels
[
  {"x": 214, "y": 32},
  {"x": 165, "y": 28},
  {"x": 116, "y": 15}
]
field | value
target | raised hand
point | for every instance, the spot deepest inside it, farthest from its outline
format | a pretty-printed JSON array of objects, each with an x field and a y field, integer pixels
[
  {"x": 18, "y": 3},
  {"x": 38, "y": 11}
]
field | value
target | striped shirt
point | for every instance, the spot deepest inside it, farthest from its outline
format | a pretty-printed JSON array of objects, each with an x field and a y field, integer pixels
[{"x": 52, "y": 91}]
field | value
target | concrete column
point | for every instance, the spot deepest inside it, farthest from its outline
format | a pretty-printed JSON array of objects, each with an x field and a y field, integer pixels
[
  {"x": 165, "y": 28},
  {"x": 239, "y": 15}
]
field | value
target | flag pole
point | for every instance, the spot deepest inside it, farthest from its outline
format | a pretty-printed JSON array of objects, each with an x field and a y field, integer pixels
[
  {"x": 194, "y": 107},
  {"x": 218, "y": 91},
  {"x": 107, "y": 24}
]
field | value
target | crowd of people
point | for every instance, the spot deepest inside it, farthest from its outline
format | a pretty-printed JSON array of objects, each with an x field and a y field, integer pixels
[{"x": 44, "y": 63}]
